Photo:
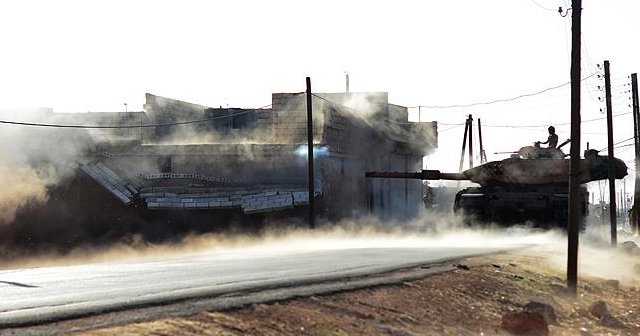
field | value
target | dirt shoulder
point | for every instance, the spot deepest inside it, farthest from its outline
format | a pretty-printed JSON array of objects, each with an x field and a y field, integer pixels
[{"x": 470, "y": 300}]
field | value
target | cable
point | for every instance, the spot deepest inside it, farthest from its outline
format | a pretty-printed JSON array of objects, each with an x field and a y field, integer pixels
[
  {"x": 624, "y": 150},
  {"x": 617, "y": 143},
  {"x": 545, "y": 8},
  {"x": 500, "y": 100},
  {"x": 19, "y": 123},
  {"x": 557, "y": 124},
  {"x": 506, "y": 126},
  {"x": 449, "y": 128}
]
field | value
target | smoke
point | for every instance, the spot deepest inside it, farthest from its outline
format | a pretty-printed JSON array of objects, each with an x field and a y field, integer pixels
[
  {"x": 35, "y": 161},
  {"x": 279, "y": 238},
  {"x": 290, "y": 236},
  {"x": 31, "y": 160},
  {"x": 195, "y": 135},
  {"x": 20, "y": 184}
]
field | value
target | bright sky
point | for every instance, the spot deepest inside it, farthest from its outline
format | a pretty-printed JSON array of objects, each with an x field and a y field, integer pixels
[{"x": 97, "y": 55}]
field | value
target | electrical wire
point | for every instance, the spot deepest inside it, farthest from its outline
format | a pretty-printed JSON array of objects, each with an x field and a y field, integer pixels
[
  {"x": 20, "y": 123},
  {"x": 500, "y": 100},
  {"x": 557, "y": 124},
  {"x": 489, "y": 125},
  {"x": 617, "y": 143},
  {"x": 543, "y": 7},
  {"x": 449, "y": 128},
  {"x": 624, "y": 150}
]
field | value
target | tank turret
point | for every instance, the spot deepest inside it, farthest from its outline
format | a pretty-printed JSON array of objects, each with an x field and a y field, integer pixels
[{"x": 530, "y": 166}]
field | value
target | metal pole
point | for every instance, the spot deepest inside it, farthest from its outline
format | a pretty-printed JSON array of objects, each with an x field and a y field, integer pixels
[
  {"x": 636, "y": 127},
  {"x": 470, "y": 121},
  {"x": 483, "y": 156},
  {"x": 612, "y": 176},
  {"x": 126, "y": 119},
  {"x": 310, "y": 155},
  {"x": 464, "y": 144},
  {"x": 623, "y": 200},
  {"x": 574, "y": 185},
  {"x": 346, "y": 86},
  {"x": 141, "y": 114}
]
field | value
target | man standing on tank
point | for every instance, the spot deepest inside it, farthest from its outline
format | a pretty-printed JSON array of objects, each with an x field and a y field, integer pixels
[{"x": 552, "y": 140}]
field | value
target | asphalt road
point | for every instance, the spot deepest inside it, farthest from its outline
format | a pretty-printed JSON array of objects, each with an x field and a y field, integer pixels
[{"x": 38, "y": 295}]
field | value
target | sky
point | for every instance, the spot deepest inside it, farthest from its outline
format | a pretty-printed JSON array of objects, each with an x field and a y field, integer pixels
[{"x": 77, "y": 56}]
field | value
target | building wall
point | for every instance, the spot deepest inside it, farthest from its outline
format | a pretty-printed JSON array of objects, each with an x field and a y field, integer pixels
[
  {"x": 163, "y": 110},
  {"x": 361, "y": 132},
  {"x": 353, "y": 133}
]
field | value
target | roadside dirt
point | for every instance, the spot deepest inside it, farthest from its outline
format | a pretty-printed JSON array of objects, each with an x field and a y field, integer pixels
[{"x": 470, "y": 300}]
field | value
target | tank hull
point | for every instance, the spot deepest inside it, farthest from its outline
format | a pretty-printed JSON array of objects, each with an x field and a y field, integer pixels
[{"x": 543, "y": 206}]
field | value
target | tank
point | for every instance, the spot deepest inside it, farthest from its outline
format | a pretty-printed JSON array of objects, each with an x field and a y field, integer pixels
[{"x": 530, "y": 186}]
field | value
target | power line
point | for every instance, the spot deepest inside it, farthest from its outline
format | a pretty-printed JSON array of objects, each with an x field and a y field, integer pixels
[
  {"x": 617, "y": 143},
  {"x": 543, "y": 7},
  {"x": 557, "y": 124},
  {"x": 20, "y": 123},
  {"x": 489, "y": 125},
  {"x": 449, "y": 128},
  {"x": 500, "y": 100}
]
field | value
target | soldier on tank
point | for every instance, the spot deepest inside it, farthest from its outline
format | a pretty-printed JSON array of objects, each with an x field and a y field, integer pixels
[{"x": 552, "y": 140}]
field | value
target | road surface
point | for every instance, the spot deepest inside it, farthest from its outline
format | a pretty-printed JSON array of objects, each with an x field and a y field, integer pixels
[{"x": 38, "y": 295}]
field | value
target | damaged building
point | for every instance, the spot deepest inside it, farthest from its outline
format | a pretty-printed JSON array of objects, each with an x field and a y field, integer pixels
[{"x": 176, "y": 161}]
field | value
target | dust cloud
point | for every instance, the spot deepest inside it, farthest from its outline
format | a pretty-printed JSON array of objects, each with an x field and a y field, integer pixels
[
  {"x": 20, "y": 184},
  {"x": 283, "y": 238},
  {"x": 596, "y": 258},
  {"x": 21, "y": 151}
]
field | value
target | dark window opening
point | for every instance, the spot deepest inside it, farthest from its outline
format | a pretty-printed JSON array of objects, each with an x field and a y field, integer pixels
[
  {"x": 164, "y": 164},
  {"x": 226, "y": 119}
]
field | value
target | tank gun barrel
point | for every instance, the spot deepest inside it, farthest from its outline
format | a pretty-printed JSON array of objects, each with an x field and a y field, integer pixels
[{"x": 425, "y": 174}]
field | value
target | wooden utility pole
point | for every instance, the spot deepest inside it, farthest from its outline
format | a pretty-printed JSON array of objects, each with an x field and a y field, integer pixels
[
  {"x": 464, "y": 144},
  {"x": 483, "y": 155},
  {"x": 575, "y": 210},
  {"x": 470, "y": 126},
  {"x": 310, "y": 155},
  {"x": 635, "y": 224},
  {"x": 612, "y": 171}
]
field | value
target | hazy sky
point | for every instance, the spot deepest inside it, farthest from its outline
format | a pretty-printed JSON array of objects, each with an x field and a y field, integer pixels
[{"x": 97, "y": 55}]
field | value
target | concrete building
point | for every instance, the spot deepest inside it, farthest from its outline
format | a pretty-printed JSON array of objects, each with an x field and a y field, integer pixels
[{"x": 178, "y": 157}]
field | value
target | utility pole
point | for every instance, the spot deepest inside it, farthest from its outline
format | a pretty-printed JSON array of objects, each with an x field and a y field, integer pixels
[
  {"x": 126, "y": 118},
  {"x": 483, "y": 155},
  {"x": 574, "y": 184},
  {"x": 464, "y": 144},
  {"x": 635, "y": 224},
  {"x": 310, "y": 155},
  {"x": 470, "y": 126},
  {"x": 612, "y": 172},
  {"x": 141, "y": 114}
]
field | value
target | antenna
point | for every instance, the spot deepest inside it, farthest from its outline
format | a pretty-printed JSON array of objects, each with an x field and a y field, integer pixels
[{"x": 346, "y": 78}]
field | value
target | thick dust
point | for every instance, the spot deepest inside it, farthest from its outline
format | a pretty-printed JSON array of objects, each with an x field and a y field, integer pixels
[
  {"x": 20, "y": 184},
  {"x": 596, "y": 257},
  {"x": 283, "y": 238}
]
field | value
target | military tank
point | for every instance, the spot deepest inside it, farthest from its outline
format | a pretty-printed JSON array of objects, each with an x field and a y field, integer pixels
[{"x": 530, "y": 186}]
